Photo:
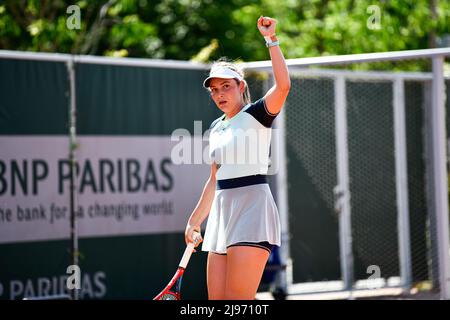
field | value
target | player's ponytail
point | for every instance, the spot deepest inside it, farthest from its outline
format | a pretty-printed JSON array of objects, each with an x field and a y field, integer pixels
[{"x": 246, "y": 95}]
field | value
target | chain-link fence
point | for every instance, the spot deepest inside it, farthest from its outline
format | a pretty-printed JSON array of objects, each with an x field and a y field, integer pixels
[
  {"x": 365, "y": 138},
  {"x": 311, "y": 153},
  {"x": 365, "y": 156}
]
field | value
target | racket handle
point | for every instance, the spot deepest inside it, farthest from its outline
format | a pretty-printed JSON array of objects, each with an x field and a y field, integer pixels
[
  {"x": 189, "y": 249},
  {"x": 187, "y": 255}
]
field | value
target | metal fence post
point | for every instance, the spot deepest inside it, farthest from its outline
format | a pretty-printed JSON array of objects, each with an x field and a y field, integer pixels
[
  {"x": 439, "y": 167},
  {"x": 342, "y": 190},
  {"x": 401, "y": 180},
  {"x": 72, "y": 159}
]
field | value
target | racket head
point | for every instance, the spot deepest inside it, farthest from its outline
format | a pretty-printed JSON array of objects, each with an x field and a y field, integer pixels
[{"x": 173, "y": 289}]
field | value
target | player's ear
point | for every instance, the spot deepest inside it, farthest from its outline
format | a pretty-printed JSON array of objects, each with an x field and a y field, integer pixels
[{"x": 242, "y": 85}]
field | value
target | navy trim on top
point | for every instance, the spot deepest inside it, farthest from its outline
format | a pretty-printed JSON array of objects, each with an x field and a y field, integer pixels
[
  {"x": 259, "y": 111},
  {"x": 241, "y": 181}
]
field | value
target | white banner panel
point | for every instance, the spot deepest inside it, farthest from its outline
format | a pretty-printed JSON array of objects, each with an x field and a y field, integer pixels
[{"x": 126, "y": 185}]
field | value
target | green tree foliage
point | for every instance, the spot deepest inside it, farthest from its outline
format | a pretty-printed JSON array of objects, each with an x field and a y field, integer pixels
[{"x": 207, "y": 29}]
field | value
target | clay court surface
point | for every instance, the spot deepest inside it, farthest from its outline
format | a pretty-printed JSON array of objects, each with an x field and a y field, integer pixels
[{"x": 379, "y": 294}]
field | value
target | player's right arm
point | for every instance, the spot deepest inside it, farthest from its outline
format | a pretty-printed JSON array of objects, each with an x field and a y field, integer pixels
[{"x": 203, "y": 206}]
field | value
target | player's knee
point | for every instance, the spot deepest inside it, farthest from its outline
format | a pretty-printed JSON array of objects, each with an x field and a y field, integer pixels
[
  {"x": 230, "y": 295},
  {"x": 238, "y": 293},
  {"x": 216, "y": 292},
  {"x": 216, "y": 296}
]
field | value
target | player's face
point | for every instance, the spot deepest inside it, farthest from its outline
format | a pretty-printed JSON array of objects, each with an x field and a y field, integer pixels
[{"x": 226, "y": 94}]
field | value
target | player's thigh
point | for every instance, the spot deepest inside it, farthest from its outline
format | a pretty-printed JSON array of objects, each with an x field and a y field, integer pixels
[
  {"x": 216, "y": 275},
  {"x": 245, "y": 266}
]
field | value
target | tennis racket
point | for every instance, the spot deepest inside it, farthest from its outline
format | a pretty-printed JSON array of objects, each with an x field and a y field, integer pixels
[{"x": 173, "y": 290}]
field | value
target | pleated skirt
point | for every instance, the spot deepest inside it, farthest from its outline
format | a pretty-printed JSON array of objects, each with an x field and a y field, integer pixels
[{"x": 242, "y": 214}]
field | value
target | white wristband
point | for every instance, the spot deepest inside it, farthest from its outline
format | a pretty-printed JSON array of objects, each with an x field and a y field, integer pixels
[
  {"x": 269, "y": 42},
  {"x": 272, "y": 44}
]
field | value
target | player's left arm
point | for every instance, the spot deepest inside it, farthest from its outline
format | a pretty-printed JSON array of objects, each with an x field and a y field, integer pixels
[{"x": 275, "y": 96}]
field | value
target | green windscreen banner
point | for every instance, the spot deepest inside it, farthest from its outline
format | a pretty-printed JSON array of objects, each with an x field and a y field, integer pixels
[
  {"x": 126, "y": 185},
  {"x": 138, "y": 177},
  {"x": 141, "y": 136}
]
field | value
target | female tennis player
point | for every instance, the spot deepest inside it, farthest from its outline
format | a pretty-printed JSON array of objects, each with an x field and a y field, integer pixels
[{"x": 243, "y": 223}]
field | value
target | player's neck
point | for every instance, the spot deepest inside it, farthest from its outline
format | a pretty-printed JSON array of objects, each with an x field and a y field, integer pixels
[{"x": 235, "y": 111}]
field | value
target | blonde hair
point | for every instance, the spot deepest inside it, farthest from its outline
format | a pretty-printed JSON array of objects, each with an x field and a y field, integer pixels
[{"x": 224, "y": 62}]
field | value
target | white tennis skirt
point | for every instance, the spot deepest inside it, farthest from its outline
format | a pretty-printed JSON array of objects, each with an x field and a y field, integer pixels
[{"x": 242, "y": 214}]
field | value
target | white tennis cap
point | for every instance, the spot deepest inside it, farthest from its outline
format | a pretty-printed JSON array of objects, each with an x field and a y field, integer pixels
[{"x": 221, "y": 72}]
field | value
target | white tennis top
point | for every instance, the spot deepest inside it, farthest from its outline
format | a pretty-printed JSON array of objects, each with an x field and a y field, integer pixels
[{"x": 241, "y": 145}]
